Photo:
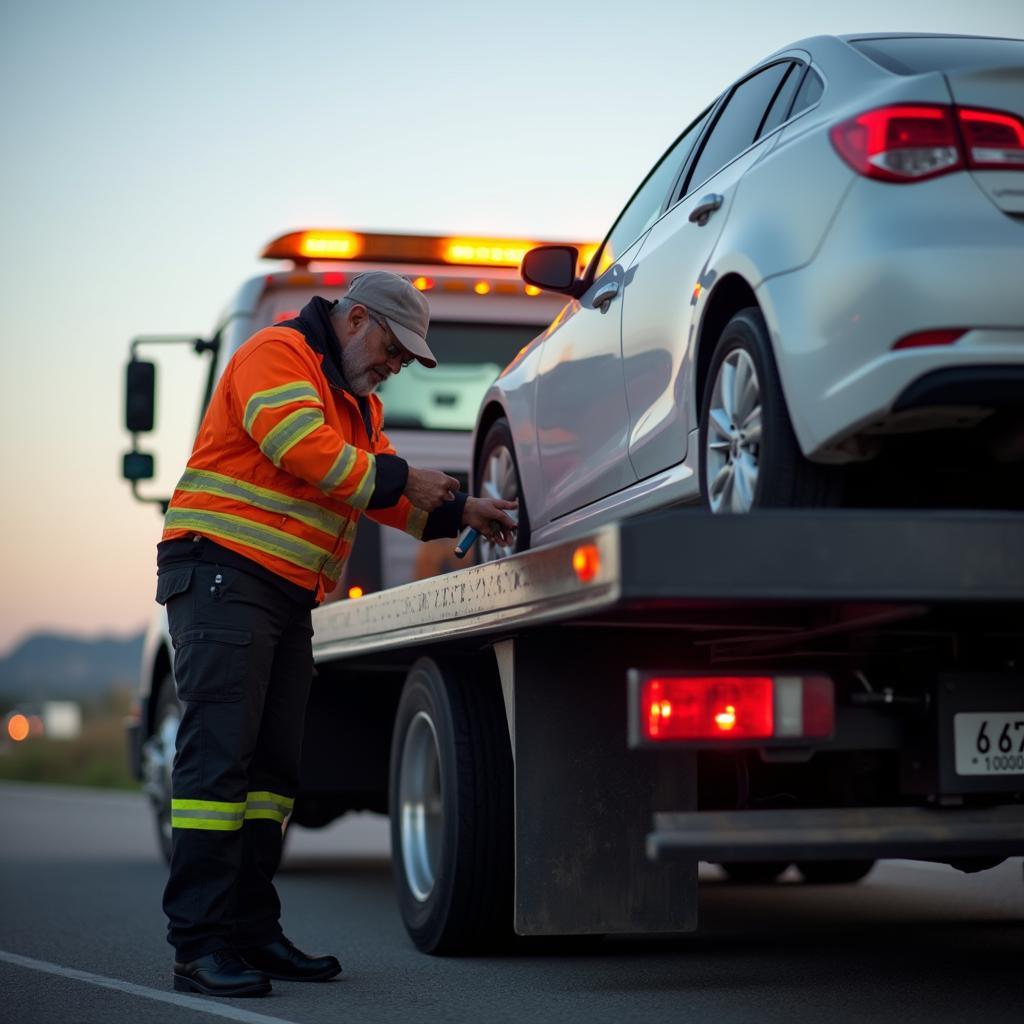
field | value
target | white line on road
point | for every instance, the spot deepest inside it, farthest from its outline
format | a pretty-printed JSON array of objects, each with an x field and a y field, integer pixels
[{"x": 190, "y": 1002}]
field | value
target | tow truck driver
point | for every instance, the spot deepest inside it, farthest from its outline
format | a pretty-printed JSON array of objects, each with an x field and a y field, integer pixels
[{"x": 289, "y": 455}]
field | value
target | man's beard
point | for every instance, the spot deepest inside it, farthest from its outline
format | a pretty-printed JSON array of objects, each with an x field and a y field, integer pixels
[{"x": 357, "y": 367}]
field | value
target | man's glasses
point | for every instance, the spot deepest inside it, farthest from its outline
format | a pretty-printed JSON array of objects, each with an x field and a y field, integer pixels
[{"x": 391, "y": 347}]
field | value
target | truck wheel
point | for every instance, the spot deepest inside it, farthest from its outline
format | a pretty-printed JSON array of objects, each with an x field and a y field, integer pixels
[
  {"x": 833, "y": 872},
  {"x": 754, "y": 872},
  {"x": 750, "y": 457},
  {"x": 451, "y": 808},
  {"x": 497, "y": 476},
  {"x": 158, "y": 760}
]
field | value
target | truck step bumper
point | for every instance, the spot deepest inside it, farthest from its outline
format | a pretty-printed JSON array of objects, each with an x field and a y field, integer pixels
[{"x": 838, "y": 834}]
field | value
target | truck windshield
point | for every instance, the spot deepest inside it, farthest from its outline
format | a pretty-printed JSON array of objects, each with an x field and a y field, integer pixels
[{"x": 469, "y": 357}]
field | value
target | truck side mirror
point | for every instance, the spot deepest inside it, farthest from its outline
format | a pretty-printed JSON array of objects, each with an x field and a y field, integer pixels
[
  {"x": 138, "y": 466},
  {"x": 551, "y": 267},
  {"x": 140, "y": 398}
]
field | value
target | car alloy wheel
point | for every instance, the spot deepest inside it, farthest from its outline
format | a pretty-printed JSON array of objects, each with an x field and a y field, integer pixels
[
  {"x": 497, "y": 476},
  {"x": 733, "y": 443}
]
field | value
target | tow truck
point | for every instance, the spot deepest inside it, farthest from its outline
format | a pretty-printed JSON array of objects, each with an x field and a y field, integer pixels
[
  {"x": 565, "y": 734},
  {"x": 561, "y": 736}
]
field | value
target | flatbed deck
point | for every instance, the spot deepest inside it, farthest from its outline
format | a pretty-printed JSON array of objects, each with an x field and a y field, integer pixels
[{"x": 677, "y": 566}]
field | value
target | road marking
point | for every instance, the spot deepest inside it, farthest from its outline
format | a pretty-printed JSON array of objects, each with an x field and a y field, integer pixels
[{"x": 174, "y": 998}]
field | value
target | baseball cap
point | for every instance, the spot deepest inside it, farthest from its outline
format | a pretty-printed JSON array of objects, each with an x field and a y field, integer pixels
[{"x": 403, "y": 307}]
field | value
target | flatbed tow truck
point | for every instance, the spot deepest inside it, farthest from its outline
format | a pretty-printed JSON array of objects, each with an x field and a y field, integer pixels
[{"x": 572, "y": 729}]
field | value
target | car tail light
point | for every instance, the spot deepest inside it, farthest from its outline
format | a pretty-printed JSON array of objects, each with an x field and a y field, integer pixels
[
  {"x": 713, "y": 710},
  {"x": 907, "y": 142},
  {"x": 923, "y": 338},
  {"x": 993, "y": 139},
  {"x": 903, "y": 142}
]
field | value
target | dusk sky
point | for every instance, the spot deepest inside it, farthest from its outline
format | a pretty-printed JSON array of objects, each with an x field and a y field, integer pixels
[{"x": 153, "y": 148}]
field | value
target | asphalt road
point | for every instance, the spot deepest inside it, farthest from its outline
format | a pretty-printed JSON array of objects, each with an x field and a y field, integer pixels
[{"x": 82, "y": 940}]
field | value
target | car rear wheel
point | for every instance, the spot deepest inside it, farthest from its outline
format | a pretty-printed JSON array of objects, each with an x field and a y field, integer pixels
[
  {"x": 497, "y": 476},
  {"x": 451, "y": 807},
  {"x": 750, "y": 457},
  {"x": 158, "y": 761}
]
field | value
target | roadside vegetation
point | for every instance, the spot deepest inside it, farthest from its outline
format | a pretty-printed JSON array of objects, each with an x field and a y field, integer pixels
[{"x": 97, "y": 757}]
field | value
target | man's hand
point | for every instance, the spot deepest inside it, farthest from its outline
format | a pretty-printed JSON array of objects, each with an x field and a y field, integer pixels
[
  {"x": 486, "y": 516},
  {"x": 428, "y": 488}
]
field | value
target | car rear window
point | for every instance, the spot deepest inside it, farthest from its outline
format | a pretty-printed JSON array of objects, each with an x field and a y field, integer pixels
[{"x": 917, "y": 55}]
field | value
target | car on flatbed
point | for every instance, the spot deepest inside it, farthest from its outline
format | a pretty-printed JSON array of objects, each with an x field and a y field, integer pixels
[{"x": 814, "y": 298}]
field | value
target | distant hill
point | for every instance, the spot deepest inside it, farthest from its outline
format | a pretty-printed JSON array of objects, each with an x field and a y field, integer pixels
[{"x": 56, "y": 665}]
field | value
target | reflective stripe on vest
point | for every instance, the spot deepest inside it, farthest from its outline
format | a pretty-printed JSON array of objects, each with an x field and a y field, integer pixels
[
  {"x": 263, "y": 538},
  {"x": 289, "y": 432},
  {"x": 272, "y": 398},
  {"x": 206, "y": 482}
]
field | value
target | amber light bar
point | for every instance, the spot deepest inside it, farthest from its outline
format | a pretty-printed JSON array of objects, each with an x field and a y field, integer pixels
[
  {"x": 717, "y": 710},
  {"x": 303, "y": 247}
]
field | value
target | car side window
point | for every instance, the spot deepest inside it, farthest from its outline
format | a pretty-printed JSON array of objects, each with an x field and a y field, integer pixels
[
  {"x": 738, "y": 122},
  {"x": 811, "y": 90},
  {"x": 645, "y": 206},
  {"x": 779, "y": 110}
]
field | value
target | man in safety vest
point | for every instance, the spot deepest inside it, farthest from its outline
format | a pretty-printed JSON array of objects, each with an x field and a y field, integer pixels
[{"x": 289, "y": 455}]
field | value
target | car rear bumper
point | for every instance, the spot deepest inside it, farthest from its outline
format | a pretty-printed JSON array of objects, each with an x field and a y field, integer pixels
[{"x": 897, "y": 260}]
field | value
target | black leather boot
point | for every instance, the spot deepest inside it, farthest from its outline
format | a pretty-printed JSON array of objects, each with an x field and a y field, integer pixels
[
  {"x": 280, "y": 959},
  {"x": 220, "y": 973}
]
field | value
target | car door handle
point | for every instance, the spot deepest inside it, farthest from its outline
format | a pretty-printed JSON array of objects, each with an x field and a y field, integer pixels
[
  {"x": 707, "y": 206},
  {"x": 604, "y": 295}
]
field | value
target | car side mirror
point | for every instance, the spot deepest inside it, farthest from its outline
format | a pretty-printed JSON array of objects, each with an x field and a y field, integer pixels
[
  {"x": 140, "y": 396},
  {"x": 551, "y": 267}
]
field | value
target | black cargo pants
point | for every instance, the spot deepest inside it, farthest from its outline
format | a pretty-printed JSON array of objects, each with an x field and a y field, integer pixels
[{"x": 242, "y": 666}]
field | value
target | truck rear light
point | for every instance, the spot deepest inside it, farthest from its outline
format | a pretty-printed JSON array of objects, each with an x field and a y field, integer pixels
[
  {"x": 901, "y": 142},
  {"x": 743, "y": 710},
  {"x": 923, "y": 338},
  {"x": 586, "y": 562},
  {"x": 994, "y": 140}
]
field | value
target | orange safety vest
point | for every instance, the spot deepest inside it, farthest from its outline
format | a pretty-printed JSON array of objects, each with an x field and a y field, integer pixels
[{"x": 286, "y": 460}]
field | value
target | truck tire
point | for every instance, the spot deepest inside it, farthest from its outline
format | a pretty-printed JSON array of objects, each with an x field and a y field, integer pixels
[
  {"x": 754, "y": 872},
  {"x": 496, "y": 475},
  {"x": 834, "y": 872},
  {"x": 749, "y": 455},
  {"x": 451, "y": 808},
  {"x": 158, "y": 760}
]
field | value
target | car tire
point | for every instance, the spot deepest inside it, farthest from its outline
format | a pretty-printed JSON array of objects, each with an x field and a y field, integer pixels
[
  {"x": 496, "y": 475},
  {"x": 833, "y": 872},
  {"x": 158, "y": 761},
  {"x": 749, "y": 455},
  {"x": 451, "y": 806},
  {"x": 754, "y": 872}
]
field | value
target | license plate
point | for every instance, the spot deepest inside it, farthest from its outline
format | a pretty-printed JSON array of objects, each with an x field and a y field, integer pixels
[{"x": 989, "y": 743}]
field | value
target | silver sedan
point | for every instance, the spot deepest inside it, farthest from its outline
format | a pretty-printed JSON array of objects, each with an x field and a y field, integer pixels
[{"x": 815, "y": 297}]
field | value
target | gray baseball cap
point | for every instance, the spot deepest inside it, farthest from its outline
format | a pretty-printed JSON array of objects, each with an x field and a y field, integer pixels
[{"x": 403, "y": 307}]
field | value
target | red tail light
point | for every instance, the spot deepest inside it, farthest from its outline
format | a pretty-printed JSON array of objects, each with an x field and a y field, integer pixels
[
  {"x": 993, "y": 139},
  {"x": 905, "y": 142},
  {"x": 708, "y": 709},
  {"x": 915, "y": 141}
]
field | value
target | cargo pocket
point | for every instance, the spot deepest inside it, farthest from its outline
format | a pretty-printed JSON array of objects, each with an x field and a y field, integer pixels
[
  {"x": 176, "y": 581},
  {"x": 211, "y": 664}
]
